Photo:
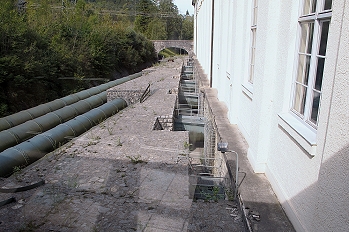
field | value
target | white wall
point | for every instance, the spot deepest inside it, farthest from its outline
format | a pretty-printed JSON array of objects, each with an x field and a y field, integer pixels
[
  {"x": 203, "y": 11},
  {"x": 310, "y": 182},
  {"x": 333, "y": 199}
]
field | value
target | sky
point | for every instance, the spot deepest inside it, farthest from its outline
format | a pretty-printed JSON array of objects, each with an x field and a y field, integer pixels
[{"x": 184, "y": 5}]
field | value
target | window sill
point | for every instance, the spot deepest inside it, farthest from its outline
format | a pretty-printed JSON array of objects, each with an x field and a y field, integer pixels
[
  {"x": 303, "y": 135},
  {"x": 247, "y": 89}
]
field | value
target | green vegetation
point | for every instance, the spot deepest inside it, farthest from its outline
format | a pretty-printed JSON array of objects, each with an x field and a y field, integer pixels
[
  {"x": 210, "y": 193},
  {"x": 118, "y": 142},
  {"x": 17, "y": 170},
  {"x": 136, "y": 159},
  {"x": 168, "y": 52},
  {"x": 51, "y": 48},
  {"x": 159, "y": 20}
]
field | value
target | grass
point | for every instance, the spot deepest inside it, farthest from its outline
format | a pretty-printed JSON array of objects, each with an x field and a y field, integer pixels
[
  {"x": 210, "y": 193},
  {"x": 17, "y": 173},
  {"x": 118, "y": 142},
  {"x": 30, "y": 226},
  {"x": 102, "y": 124},
  {"x": 73, "y": 183},
  {"x": 94, "y": 139},
  {"x": 110, "y": 130},
  {"x": 186, "y": 145},
  {"x": 136, "y": 159},
  {"x": 230, "y": 194}
]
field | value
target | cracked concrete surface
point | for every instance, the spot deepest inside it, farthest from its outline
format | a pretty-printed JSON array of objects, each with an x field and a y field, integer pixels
[{"x": 119, "y": 176}]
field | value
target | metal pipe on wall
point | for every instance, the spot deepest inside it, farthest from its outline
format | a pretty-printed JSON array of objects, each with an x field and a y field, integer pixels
[{"x": 35, "y": 148}]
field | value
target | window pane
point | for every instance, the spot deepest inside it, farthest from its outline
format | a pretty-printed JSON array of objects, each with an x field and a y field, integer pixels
[
  {"x": 307, "y": 30},
  {"x": 315, "y": 107},
  {"x": 309, "y": 7},
  {"x": 303, "y": 69},
  {"x": 324, "y": 36},
  {"x": 313, "y": 6},
  {"x": 319, "y": 73},
  {"x": 299, "y": 100},
  {"x": 328, "y": 5}
]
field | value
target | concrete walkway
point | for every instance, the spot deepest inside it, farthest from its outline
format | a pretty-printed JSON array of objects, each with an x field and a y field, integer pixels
[
  {"x": 124, "y": 176},
  {"x": 119, "y": 176}
]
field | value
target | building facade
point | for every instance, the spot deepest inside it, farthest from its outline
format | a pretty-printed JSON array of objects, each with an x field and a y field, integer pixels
[{"x": 282, "y": 68}]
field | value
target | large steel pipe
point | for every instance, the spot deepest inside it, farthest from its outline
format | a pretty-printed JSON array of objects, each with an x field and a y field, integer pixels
[
  {"x": 25, "y": 115},
  {"x": 24, "y": 131},
  {"x": 35, "y": 148},
  {"x": 30, "y": 128}
]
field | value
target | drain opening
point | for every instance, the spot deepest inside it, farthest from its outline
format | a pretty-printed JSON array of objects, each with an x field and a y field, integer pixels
[
  {"x": 157, "y": 125},
  {"x": 164, "y": 122}
]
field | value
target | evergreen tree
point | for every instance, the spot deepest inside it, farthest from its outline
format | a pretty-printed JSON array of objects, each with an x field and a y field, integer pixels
[
  {"x": 187, "y": 28},
  {"x": 156, "y": 30},
  {"x": 173, "y": 20},
  {"x": 145, "y": 11}
]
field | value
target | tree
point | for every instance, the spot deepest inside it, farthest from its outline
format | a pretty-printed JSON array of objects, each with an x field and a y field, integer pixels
[
  {"x": 169, "y": 12},
  {"x": 156, "y": 30},
  {"x": 188, "y": 28},
  {"x": 44, "y": 43},
  {"x": 145, "y": 10}
]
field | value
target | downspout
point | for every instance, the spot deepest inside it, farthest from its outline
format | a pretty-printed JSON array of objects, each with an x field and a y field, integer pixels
[{"x": 212, "y": 33}]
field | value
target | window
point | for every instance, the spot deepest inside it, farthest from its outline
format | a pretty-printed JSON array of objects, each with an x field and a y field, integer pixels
[
  {"x": 253, "y": 40},
  {"x": 314, "y": 25}
]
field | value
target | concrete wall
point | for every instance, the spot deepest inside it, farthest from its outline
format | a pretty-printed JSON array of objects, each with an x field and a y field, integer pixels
[
  {"x": 332, "y": 186},
  {"x": 307, "y": 169},
  {"x": 203, "y": 34}
]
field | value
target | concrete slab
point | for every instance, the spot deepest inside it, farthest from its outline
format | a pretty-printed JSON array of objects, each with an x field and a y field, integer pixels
[{"x": 119, "y": 176}]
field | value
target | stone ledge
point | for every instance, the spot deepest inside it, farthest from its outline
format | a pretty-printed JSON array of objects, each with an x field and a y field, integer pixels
[{"x": 130, "y": 96}]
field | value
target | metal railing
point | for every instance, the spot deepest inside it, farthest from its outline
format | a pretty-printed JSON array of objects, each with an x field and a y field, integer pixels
[{"x": 145, "y": 94}]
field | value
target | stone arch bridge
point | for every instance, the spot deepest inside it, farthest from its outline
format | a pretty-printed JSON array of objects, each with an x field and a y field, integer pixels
[{"x": 183, "y": 44}]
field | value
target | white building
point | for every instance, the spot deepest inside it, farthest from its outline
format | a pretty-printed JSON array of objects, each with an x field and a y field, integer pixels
[{"x": 282, "y": 68}]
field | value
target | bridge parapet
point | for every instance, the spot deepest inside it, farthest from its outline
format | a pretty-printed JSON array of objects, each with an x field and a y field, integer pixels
[{"x": 183, "y": 44}]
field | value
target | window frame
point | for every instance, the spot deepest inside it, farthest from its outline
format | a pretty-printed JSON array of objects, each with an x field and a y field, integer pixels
[
  {"x": 253, "y": 37},
  {"x": 317, "y": 18}
]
